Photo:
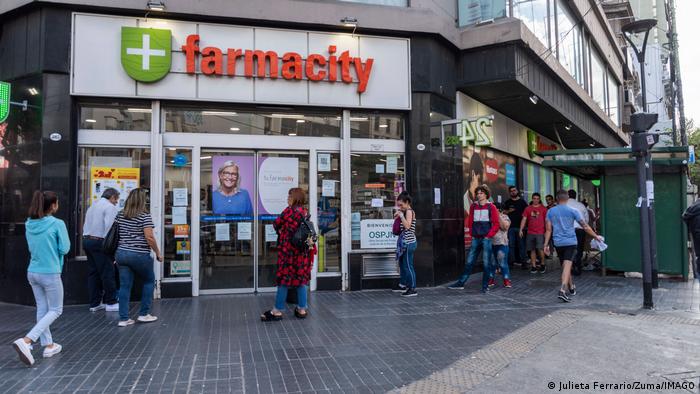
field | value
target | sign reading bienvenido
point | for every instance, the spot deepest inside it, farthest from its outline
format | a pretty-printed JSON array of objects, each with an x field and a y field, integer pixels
[
  {"x": 146, "y": 53},
  {"x": 4, "y": 101}
]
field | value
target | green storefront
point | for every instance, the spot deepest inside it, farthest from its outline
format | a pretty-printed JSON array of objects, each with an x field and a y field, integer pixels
[{"x": 614, "y": 167}]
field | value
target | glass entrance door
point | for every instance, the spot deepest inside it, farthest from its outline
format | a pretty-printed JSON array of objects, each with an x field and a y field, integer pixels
[{"x": 241, "y": 194}]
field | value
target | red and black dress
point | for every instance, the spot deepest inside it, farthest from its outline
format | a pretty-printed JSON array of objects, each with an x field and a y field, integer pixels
[{"x": 293, "y": 265}]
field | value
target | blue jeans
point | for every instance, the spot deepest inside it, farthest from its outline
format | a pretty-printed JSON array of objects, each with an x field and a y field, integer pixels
[
  {"x": 141, "y": 264},
  {"x": 516, "y": 246},
  {"x": 408, "y": 273},
  {"x": 102, "y": 286},
  {"x": 281, "y": 298},
  {"x": 48, "y": 293},
  {"x": 500, "y": 259},
  {"x": 478, "y": 244}
]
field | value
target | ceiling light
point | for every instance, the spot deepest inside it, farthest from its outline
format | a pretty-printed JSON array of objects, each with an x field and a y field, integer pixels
[
  {"x": 383, "y": 125},
  {"x": 205, "y": 158},
  {"x": 301, "y": 121},
  {"x": 33, "y": 91},
  {"x": 155, "y": 6},
  {"x": 359, "y": 119},
  {"x": 286, "y": 116},
  {"x": 90, "y": 121},
  {"x": 219, "y": 113},
  {"x": 292, "y": 134},
  {"x": 234, "y": 129},
  {"x": 172, "y": 148},
  {"x": 142, "y": 110},
  {"x": 567, "y": 126},
  {"x": 349, "y": 21},
  {"x": 534, "y": 99},
  {"x": 592, "y": 144}
]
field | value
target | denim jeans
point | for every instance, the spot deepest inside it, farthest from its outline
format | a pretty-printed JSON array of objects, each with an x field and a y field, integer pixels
[
  {"x": 141, "y": 264},
  {"x": 516, "y": 246},
  {"x": 407, "y": 271},
  {"x": 478, "y": 244},
  {"x": 102, "y": 286},
  {"x": 500, "y": 259},
  {"x": 281, "y": 298},
  {"x": 48, "y": 293}
]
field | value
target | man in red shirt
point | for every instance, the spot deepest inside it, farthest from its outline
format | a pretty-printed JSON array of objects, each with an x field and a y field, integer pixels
[{"x": 534, "y": 217}]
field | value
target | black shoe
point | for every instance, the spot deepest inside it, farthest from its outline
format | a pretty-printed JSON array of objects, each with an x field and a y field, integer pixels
[
  {"x": 542, "y": 269},
  {"x": 456, "y": 286},
  {"x": 533, "y": 270},
  {"x": 399, "y": 288},
  {"x": 572, "y": 290},
  {"x": 409, "y": 293},
  {"x": 563, "y": 296}
]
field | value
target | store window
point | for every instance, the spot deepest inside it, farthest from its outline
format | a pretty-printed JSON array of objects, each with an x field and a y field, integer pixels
[
  {"x": 613, "y": 99},
  {"x": 242, "y": 121},
  {"x": 537, "y": 179},
  {"x": 177, "y": 193},
  {"x": 329, "y": 212},
  {"x": 126, "y": 117},
  {"x": 376, "y": 182},
  {"x": 376, "y": 126},
  {"x": 100, "y": 168},
  {"x": 534, "y": 16},
  {"x": 598, "y": 78},
  {"x": 472, "y": 12}
]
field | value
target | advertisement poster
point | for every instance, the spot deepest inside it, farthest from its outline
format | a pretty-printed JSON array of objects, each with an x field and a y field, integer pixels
[
  {"x": 182, "y": 247},
  {"x": 485, "y": 166},
  {"x": 182, "y": 267},
  {"x": 181, "y": 230},
  {"x": 376, "y": 234},
  {"x": 276, "y": 176},
  {"x": 233, "y": 183},
  {"x": 123, "y": 179}
]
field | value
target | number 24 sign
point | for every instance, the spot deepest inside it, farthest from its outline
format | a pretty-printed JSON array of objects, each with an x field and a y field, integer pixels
[{"x": 472, "y": 130}]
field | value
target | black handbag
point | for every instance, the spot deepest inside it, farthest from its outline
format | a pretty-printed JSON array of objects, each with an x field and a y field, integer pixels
[
  {"x": 111, "y": 241},
  {"x": 305, "y": 235}
]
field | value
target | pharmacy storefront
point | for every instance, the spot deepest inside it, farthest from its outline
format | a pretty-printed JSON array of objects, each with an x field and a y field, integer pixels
[{"x": 218, "y": 122}]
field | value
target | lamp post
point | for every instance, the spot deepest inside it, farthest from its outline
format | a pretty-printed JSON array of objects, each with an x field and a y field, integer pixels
[{"x": 641, "y": 145}]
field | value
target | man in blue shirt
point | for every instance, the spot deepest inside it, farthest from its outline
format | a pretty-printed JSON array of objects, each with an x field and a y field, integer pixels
[{"x": 560, "y": 221}]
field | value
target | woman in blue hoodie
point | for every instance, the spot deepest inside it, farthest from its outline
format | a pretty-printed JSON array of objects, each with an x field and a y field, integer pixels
[{"x": 48, "y": 242}]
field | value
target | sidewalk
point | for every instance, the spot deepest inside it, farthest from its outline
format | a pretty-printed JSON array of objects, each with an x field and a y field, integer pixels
[{"x": 371, "y": 341}]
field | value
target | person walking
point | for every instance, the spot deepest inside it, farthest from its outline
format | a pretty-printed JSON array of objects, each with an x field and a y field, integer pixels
[
  {"x": 136, "y": 240},
  {"x": 47, "y": 239},
  {"x": 549, "y": 199},
  {"x": 560, "y": 227},
  {"x": 102, "y": 285},
  {"x": 580, "y": 232},
  {"x": 406, "y": 247},
  {"x": 514, "y": 208},
  {"x": 691, "y": 217},
  {"x": 483, "y": 222},
  {"x": 534, "y": 218},
  {"x": 293, "y": 264},
  {"x": 500, "y": 249}
]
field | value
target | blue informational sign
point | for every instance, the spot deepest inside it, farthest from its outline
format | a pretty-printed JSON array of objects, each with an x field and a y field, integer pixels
[
  {"x": 180, "y": 160},
  {"x": 691, "y": 154},
  {"x": 510, "y": 174}
]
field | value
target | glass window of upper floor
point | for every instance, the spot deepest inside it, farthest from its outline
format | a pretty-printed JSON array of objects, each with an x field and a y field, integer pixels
[
  {"x": 115, "y": 116},
  {"x": 376, "y": 125},
  {"x": 397, "y": 3},
  {"x": 472, "y": 12}
]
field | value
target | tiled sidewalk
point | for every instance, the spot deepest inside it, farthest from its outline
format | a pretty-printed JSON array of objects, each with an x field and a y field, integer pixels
[{"x": 372, "y": 341}]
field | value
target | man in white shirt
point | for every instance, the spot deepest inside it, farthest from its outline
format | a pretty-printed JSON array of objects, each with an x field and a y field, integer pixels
[
  {"x": 102, "y": 284},
  {"x": 580, "y": 233}
]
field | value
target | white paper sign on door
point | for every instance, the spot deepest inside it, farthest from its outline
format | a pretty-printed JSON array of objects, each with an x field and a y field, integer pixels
[
  {"x": 377, "y": 203},
  {"x": 328, "y": 188},
  {"x": 324, "y": 162},
  {"x": 377, "y": 234},
  {"x": 379, "y": 168},
  {"x": 179, "y": 215},
  {"x": 180, "y": 197},
  {"x": 270, "y": 233},
  {"x": 245, "y": 231},
  {"x": 392, "y": 164},
  {"x": 223, "y": 232}
]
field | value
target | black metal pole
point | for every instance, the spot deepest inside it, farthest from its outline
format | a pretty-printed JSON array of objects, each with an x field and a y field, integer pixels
[{"x": 644, "y": 230}]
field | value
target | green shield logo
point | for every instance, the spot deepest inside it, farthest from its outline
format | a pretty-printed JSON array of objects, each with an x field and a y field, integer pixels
[
  {"x": 146, "y": 53},
  {"x": 4, "y": 101}
]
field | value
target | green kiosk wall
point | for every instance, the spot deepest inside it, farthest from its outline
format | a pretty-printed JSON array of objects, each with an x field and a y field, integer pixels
[{"x": 620, "y": 221}]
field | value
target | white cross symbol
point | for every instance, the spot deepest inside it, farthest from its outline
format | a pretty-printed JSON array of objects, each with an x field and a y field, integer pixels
[{"x": 146, "y": 52}]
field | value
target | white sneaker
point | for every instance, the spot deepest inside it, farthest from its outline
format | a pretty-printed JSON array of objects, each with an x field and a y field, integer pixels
[
  {"x": 146, "y": 319},
  {"x": 50, "y": 352},
  {"x": 24, "y": 352},
  {"x": 112, "y": 307},
  {"x": 97, "y": 308},
  {"x": 124, "y": 323}
]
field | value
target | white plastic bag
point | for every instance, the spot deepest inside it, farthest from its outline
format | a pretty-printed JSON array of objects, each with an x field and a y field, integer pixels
[{"x": 599, "y": 245}]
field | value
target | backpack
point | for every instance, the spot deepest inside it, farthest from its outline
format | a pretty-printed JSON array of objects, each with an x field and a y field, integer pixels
[{"x": 305, "y": 236}]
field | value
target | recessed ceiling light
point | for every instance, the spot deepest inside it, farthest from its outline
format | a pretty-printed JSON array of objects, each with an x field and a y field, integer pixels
[
  {"x": 359, "y": 119},
  {"x": 219, "y": 113},
  {"x": 592, "y": 144},
  {"x": 383, "y": 125},
  {"x": 33, "y": 91},
  {"x": 205, "y": 157},
  {"x": 90, "y": 121},
  {"x": 287, "y": 116},
  {"x": 567, "y": 126},
  {"x": 143, "y": 110},
  {"x": 292, "y": 134},
  {"x": 234, "y": 129},
  {"x": 534, "y": 99},
  {"x": 301, "y": 121}
]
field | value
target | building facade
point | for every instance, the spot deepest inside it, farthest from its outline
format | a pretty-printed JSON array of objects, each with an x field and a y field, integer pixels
[{"x": 218, "y": 111}]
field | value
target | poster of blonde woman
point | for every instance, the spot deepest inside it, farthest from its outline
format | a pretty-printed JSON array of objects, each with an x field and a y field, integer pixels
[{"x": 232, "y": 178}]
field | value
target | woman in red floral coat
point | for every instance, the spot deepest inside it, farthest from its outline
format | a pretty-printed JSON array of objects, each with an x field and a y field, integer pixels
[{"x": 293, "y": 265}]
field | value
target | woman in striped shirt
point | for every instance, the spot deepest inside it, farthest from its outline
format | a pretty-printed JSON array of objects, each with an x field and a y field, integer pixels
[
  {"x": 133, "y": 256},
  {"x": 408, "y": 235}
]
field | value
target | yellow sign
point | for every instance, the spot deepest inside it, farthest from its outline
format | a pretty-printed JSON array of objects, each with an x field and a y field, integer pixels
[{"x": 123, "y": 179}]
